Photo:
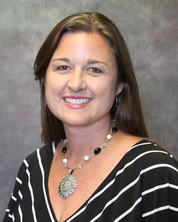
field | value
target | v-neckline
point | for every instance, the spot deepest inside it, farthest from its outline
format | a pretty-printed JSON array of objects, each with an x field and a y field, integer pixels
[{"x": 108, "y": 178}]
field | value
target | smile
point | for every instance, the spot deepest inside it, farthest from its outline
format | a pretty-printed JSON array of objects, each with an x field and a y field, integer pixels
[{"x": 77, "y": 101}]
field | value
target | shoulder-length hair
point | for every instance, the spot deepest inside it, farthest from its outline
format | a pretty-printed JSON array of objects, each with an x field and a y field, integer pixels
[{"x": 128, "y": 114}]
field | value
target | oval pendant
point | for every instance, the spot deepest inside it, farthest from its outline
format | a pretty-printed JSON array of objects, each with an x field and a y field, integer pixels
[{"x": 67, "y": 186}]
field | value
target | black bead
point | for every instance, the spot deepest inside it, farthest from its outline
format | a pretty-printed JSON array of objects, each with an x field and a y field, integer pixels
[
  {"x": 97, "y": 150},
  {"x": 64, "y": 150},
  {"x": 114, "y": 129},
  {"x": 71, "y": 171}
]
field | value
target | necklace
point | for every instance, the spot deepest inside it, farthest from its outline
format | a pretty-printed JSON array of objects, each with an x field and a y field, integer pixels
[{"x": 68, "y": 184}]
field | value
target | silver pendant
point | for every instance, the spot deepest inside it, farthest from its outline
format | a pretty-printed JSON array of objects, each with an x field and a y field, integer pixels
[{"x": 67, "y": 186}]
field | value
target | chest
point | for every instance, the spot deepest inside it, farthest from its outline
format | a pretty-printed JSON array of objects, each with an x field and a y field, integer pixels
[{"x": 89, "y": 178}]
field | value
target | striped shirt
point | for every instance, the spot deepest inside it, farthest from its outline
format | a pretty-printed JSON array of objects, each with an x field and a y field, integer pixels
[{"x": 142, "y": 187}]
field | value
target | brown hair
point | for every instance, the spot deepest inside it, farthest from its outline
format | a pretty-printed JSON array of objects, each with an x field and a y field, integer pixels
[{"x": 128, "y": 114}]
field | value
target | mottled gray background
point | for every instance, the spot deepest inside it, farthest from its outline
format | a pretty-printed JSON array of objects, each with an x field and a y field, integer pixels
[{"x": 150, "y": 30}]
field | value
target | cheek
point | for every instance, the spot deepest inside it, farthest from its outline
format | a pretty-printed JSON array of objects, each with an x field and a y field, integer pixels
[
  {"x": 52, "y": 85},
  {"x": 51, "y": 91},
  {"x": 105, "y": 90},
  {"x": 111, "y": 91}
]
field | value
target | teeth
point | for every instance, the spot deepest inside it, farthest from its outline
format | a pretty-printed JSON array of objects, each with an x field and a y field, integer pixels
[{"x": 77, "y": 101}]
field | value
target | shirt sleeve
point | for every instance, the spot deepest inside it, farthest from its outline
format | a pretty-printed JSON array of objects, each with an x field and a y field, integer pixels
[
  {"x": 13, "y": 210},
  {"x": 160, "y": 193}
]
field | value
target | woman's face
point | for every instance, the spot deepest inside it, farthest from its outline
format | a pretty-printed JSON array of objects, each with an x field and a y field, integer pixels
[{"x": 80, "y": 84}]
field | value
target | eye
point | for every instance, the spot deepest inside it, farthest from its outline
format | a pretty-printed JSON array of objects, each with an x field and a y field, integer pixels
[
  {"x": 63, "y": 68},
  {"x": 96, "y": 70}
]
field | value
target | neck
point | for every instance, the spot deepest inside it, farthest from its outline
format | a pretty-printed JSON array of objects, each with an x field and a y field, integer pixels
[{"x": 83, "y": 140}]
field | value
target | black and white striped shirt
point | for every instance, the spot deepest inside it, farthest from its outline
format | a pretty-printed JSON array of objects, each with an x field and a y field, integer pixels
[{"x": 142, "y": 187}]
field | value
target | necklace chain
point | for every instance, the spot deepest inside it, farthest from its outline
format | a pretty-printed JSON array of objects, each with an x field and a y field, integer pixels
[
  {"x": 68, "y": 185},
  {"x": 86, "y": 158}
]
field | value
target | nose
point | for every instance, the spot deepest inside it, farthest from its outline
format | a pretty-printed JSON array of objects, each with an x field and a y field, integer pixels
[{"x": 76, "y": 82}]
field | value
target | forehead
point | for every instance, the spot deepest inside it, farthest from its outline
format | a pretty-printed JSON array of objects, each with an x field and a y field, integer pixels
[{"x": 83, "y": 42}]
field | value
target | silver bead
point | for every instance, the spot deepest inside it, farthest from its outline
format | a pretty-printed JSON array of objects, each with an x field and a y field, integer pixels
[
  {"x": 65, "y": 141},
  {"x": 109, "y": 136},
  {"x": 86, "y": 158},
  {"x": 80, "y": 166},
  {"x": 64, "y": 160}
]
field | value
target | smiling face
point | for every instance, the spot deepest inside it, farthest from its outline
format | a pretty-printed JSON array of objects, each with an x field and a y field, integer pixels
[{"x": 80, "y": 83}]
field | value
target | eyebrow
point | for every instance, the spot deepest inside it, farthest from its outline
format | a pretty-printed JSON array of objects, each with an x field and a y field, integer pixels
[
  {"x": 90, "y": 61},
  {"x": 61, "y": 59}
]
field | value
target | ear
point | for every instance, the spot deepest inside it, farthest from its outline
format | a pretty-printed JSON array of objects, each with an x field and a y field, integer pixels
[{"x": 120, "y": 88}]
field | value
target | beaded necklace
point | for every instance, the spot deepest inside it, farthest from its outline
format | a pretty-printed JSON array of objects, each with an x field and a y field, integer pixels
[{"x": 68, "y": 184}]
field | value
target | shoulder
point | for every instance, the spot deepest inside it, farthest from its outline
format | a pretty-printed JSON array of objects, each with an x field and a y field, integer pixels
[
  {"x": 43, "y": 152},
  {"x": 156, "y": 175},
  {"x": 152, "y": 151},
  {"x": 150, "y": 160},
  {"x": 143, "y": 151},
  {"x": 39, "y": 156}
]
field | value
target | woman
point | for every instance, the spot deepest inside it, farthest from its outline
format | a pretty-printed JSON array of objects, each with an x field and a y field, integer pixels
[{"x": 97, "y": 164}]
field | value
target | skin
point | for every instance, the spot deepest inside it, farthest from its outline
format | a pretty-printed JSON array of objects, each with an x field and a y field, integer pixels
[
  {"x": 80, "y": 89},
  {"x": 81, "y": 71}
]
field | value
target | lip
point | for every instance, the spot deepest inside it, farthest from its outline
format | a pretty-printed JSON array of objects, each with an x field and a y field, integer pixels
[{"x": 76, "y": 102}]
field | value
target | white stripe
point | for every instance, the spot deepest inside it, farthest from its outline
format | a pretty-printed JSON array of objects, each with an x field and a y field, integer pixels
[
  {"x": 117, "y": 196},
  {"x": 20, "y": 213},
  {"x": 18, "y": 180},
  {"x": 119, "y": 172},
  {"x": 20, "y": 195},
  {"x": 26, "y": 164},
  {"x": 160, "y": 166},
  {"x": 14, "y": 198},
  {"x": 128, "y": 211},
  {"x": 43, "y": 184},
  {"x": 138, "y": 157},
  {"x": 159, "y": 187},
  {"x": 32, "y": 196},
  {"x": 53, "y": 147},
  {"x": 174, "y": 186},
  {"x": 11, "y": 216},
  {"x": 90, "y": 200},
  {"x": 112, "y": 181},
  {"x": 131, "y": 185},
  {"x": 7, "y": 210},
  {"x": 140, "y": 144},
  {"x": 160, "y": 209}
]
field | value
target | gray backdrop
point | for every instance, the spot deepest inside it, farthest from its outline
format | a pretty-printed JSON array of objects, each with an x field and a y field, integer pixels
[{"x": 150, "y": 30}]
